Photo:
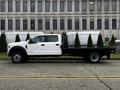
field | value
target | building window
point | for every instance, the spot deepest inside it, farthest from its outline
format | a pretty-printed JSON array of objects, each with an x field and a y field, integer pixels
[
  {"x": 24, "y": 6},
  {"x": 17, "y": 24},
  {"x": 2, "y": 6},
  {"x": 32, "y": 24},
  {"x": 99, "y": 5},
  {"x": 99, "y": 24},
  {"x": 54, "y": 6},
  {"x": 106, "y": 23},
  {"x": 32, "y": 5},
  {"x": 84, "y": 24},
  {"x": 62, "y": 26},
  {"x": 106, "y": 5},
  {"x": 113, "y": 5},
  {"x": 76, "y": 24},
  {"x": 76, "y": 6},
  {"x": 10, "y": 6},
  {"x": 39, "y": 6},
  {"x": 47, "y": 24},
  {"x": 25, "y": 26},
  {"x": 10, "y": 24},
  {"x": 69, "y": 6},
  {"x": 91, "y": 24},
  {"x": 17, "y": 6},
  {"x": 39, "y": 24},
  {"x": 54, "y": 24},
  {"x": 47, "y": 6},
  {"x": 114, "y": 24},
  {"x": 84, "y": 5},
  {"x": 62, "y": 6},
  {"x": 69, "y": 22},
  {"x": 92, "y": 4},
  {"x": 2, "y": 24}
]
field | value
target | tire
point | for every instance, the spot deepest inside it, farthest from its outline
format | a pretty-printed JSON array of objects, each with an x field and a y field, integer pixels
[
  {"x": 94, "y": 57},
  {"x": 17, "y": 57}
]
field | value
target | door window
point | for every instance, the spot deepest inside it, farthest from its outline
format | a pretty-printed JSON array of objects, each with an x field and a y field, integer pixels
[
  {"x": 51, "y": 38},
  {"x": 38, "y": 39}
]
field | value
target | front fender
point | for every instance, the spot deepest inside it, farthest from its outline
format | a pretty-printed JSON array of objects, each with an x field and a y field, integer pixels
[{"x": 15, "y": 49}]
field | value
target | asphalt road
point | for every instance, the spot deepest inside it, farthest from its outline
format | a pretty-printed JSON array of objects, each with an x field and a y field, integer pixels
[{"x": 60, "y": 75}]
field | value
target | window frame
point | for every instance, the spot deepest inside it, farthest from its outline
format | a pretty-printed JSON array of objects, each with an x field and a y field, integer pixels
[
  {"x": 69, "y": 24},
  {"x": 17, "y": 6},
  {"x": 54, "y": 6},
  {"x": 77, "y": 5},
  {"x": 10, "y": 24},
  {"x": 10, "y": 6},
  {"x": 25, "y": 24},
  {"x": 62, "y": 24},
  {"x": 32, "y": 5},
  {"x": 2, "y": 24},
  {"x": 16, "y": 24},
  {"x": 54, "y": 24},
  {"x": 32, "y": 24},
  {"x": 62, "y": 6},
  {"x": 47, "y": 24},
  {"x": 2, "y": 6}
]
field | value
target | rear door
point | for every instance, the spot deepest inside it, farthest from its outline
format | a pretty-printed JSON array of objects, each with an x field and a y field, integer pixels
[{"x": 53, "y": 44}]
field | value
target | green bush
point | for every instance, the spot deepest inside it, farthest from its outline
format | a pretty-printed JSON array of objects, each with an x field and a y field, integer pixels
[
  {"x": 3, "y": 43},
  {"x": 77, "y": 41},
  {"x": 112, "y": 41},
  {"x": 28, "y": 37},
  {"x": 65, "y": 40},
  {"x": 100, "y": 41},
  {"x": 17, "y": 38},
  {"x": 90, "y": 42}
]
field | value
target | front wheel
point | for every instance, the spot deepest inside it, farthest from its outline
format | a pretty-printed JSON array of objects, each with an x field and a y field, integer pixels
[
  {"x": 17, "y": 57},
  {"x": 94, "y": 57}
]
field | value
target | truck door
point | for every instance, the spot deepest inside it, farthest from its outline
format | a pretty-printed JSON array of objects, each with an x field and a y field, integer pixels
[
  {"x": 53, "y": 45},
  {"x": 36, "y": 46}
]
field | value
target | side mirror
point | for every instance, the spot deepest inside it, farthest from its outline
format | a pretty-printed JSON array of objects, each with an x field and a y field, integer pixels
[{"x": 30, "y": 41}]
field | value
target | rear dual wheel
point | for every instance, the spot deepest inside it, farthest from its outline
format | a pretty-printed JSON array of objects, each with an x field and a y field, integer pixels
[{"x": 94, "y": 57}]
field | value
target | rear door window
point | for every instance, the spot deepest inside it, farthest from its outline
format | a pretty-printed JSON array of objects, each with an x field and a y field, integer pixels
[{"x": 51, "y": 38}]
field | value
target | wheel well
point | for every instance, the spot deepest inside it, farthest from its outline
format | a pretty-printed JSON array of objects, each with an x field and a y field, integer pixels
[{"x": 17, "y": 48}]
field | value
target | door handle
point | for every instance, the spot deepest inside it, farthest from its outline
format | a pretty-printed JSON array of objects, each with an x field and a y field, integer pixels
[
  {"x": 42, "y": 44},
  {"x": 57, "y": 44}
]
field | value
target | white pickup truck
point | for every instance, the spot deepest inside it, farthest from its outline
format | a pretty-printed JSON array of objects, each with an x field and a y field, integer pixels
[{"x": 53, "y": 45}]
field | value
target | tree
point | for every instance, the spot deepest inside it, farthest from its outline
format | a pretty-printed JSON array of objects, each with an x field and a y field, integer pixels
[
  {"x": 90, "y": 42},
  {"x": 77, "y": 41},
  {"x": 17, "y": 38},
  {"x": 65, "y": 40},
  {"x": 112, "y": 41},
  {"x": 100, "y": 41},
  {"x": 28, "y": 37},
  {"x": 3, "y": 43}
]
